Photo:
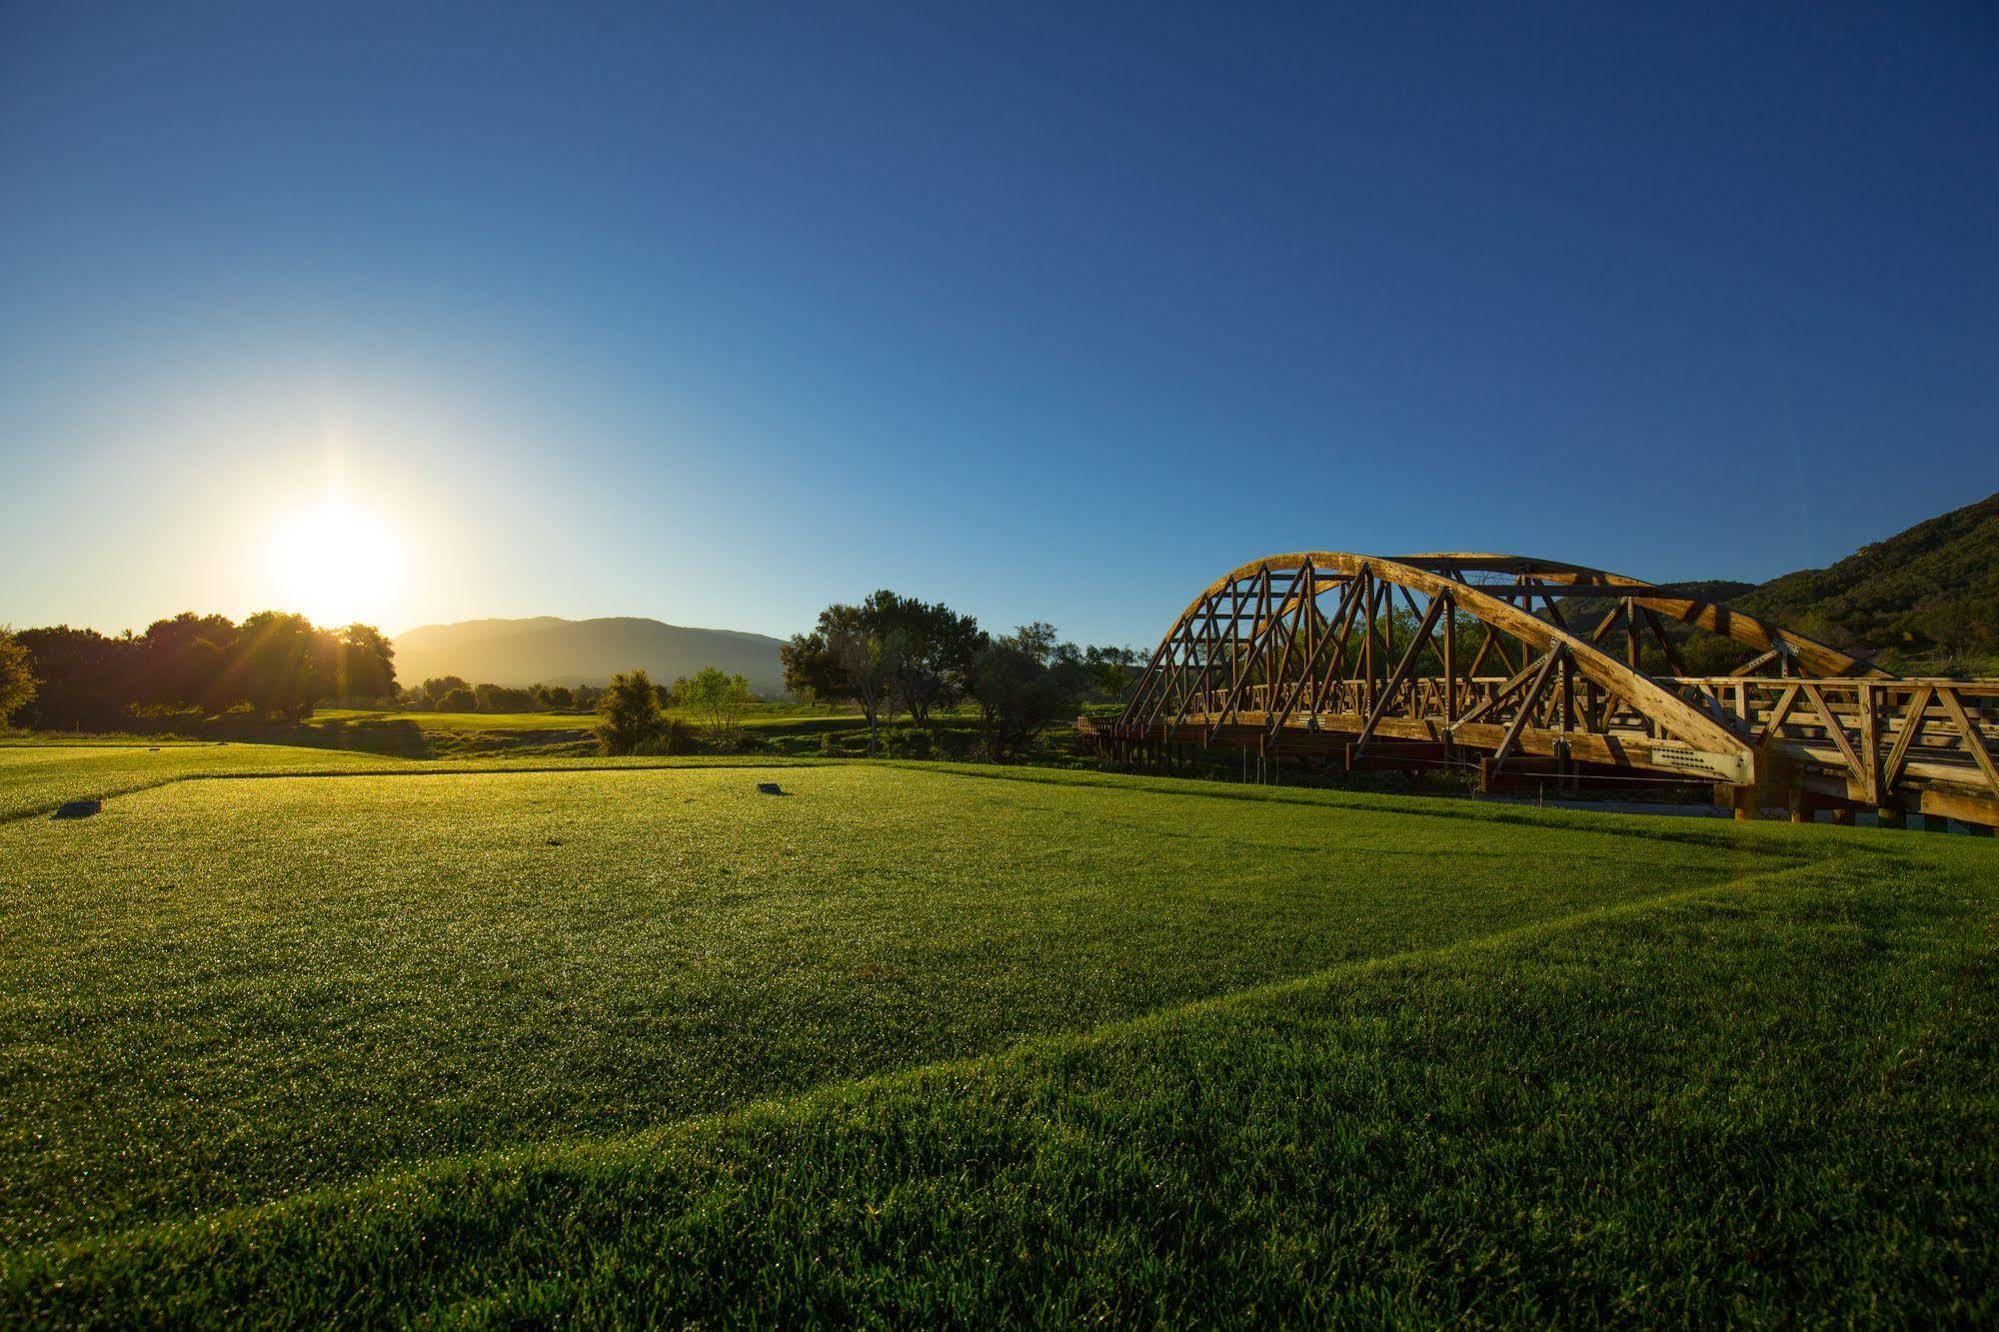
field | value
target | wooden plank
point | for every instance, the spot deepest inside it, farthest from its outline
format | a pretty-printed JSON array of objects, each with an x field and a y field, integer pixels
[
  {"x": 1870, "y": 741},
  {"x": 1912, "y": 723},
  {"x": 1853, "y": 763},
  {"x": 1527, "y": 701},
  {"x": 1777, "y": 716},
  {"x": 1972, "y": 738},
  {"x": 1402, "y": 672},
  {"x": 1755, "y": 664}
]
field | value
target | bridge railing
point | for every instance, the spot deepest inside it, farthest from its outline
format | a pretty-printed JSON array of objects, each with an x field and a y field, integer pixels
[{"x": 1879, "y": 734}]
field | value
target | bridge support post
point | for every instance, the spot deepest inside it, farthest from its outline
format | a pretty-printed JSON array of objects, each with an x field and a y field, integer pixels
[
  {"x": 1890, "y": 817},
  {"x": 1743, "y": 798}
]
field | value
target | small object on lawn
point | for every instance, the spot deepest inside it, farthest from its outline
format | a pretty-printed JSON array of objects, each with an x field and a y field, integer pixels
[
  {"x": 769, "y": 788},
  {"x": 77, "y": 809}
]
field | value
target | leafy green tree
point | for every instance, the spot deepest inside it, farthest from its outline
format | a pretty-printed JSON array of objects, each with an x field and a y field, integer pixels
[
  {"x": 717, "y": 699},
  {"x": 1023, "y": 682},
  {"x": 888, "y": 649},
  {"x": 628, "y": 714},
  {"x": 811, "y": 672},
  {"x": 17, "y": 676},
  {"x": 848, "y": 657},
  {"x": 931, "y": 647},
  {"x": 867, "y": 663},
  {"x": 1112, "y": 670}
]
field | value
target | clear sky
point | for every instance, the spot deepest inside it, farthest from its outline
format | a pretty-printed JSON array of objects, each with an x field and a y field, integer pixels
[{"x": 719, "y": 313}]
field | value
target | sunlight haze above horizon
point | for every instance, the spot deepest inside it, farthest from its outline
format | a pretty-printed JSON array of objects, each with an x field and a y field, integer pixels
[{"x": 717, "y": 314}]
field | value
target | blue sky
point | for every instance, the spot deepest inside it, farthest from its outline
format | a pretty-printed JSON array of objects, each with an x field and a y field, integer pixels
[{"x": 719, "y": 313}]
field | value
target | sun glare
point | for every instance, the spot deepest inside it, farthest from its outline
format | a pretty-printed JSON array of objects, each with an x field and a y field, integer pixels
[{"x": 337, "y": 562}]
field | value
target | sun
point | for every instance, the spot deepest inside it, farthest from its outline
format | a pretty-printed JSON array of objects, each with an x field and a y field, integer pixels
[{"x": 336, "y": 562}]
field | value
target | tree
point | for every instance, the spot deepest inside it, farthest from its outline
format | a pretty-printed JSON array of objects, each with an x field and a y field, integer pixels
[
  {"x": 717, "y": 698},
  {"x": 457, "y": 700},
  {"x": 83, "y": 680},
  {"x": 627, "y": 713},
  {"x": 17, "y": 676},
  {"x": 811, "y": 672},
  {"x": 1111, "y": 671},
  {"x": 889, "y": 648},
  {"x": 435, "y": 688},
  {"x": 867, "y": 667},
  {"x": 1023, "y": 682},
  {"x": 185, "y": 661},
  {"x": 501, "y": 698},
  {"x": 846, "y": 656},
  {"x": 356, "y": 662},
  {"x": 274, "y": 661},
  {"x": 931, "y": 648}
]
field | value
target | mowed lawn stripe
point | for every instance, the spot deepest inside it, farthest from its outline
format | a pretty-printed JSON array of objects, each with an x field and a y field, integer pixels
[
  {"x": 36, "y": 778},
  {"x": 1766, "y": 1101},
  {"x": 220, "y": 992}
]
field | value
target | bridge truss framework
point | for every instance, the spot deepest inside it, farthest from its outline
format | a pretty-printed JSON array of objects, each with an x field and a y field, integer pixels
[{"x": 1470, "y": 660}]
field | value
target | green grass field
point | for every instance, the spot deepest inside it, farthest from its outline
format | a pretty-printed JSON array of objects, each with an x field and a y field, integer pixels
[
  {"x": 921, "y": 1043},
  {"x": 776, "y": 728}
]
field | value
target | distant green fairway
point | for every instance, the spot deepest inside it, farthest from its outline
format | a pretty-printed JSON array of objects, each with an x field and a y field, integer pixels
[
  {"x": 943, "y": 1043},
  {"x": 759, "y": 714}
]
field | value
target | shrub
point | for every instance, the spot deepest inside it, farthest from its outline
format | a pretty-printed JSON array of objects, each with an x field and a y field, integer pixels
[
  {"x": 675, "y": 737},
  {"x": 628, "y": 714}
]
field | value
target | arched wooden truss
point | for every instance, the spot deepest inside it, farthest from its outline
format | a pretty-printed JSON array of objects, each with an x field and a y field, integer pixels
[{"x": 1472, "y": 659}]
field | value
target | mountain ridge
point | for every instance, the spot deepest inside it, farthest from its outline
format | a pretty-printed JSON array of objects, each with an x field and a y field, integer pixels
[{"x": 552, "y": 649}]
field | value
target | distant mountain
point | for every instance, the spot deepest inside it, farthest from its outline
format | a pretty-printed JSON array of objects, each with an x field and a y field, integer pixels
[
  {"x": 1930, "y": 594},
  {"x": 549, "y": 650}
]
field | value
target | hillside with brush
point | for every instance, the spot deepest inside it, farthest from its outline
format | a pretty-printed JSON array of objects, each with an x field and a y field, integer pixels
[{"x": 1926, "y": 598}]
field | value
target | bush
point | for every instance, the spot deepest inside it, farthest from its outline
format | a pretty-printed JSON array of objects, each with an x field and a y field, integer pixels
[
  {"x": 628, "y": 715},
  {"x": 910, "y": 742}
]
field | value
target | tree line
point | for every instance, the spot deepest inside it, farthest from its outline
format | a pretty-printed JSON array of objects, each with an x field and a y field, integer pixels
[
  {"x": 274, "y": 662},
  {"x": 454, "y": 693},
  {"x": 892, "y": 652},
  {"x": 888, "y": 655}
]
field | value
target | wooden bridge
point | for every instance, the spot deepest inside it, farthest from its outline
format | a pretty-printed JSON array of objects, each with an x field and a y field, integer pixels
[{"x": 1506, "y": 665}]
